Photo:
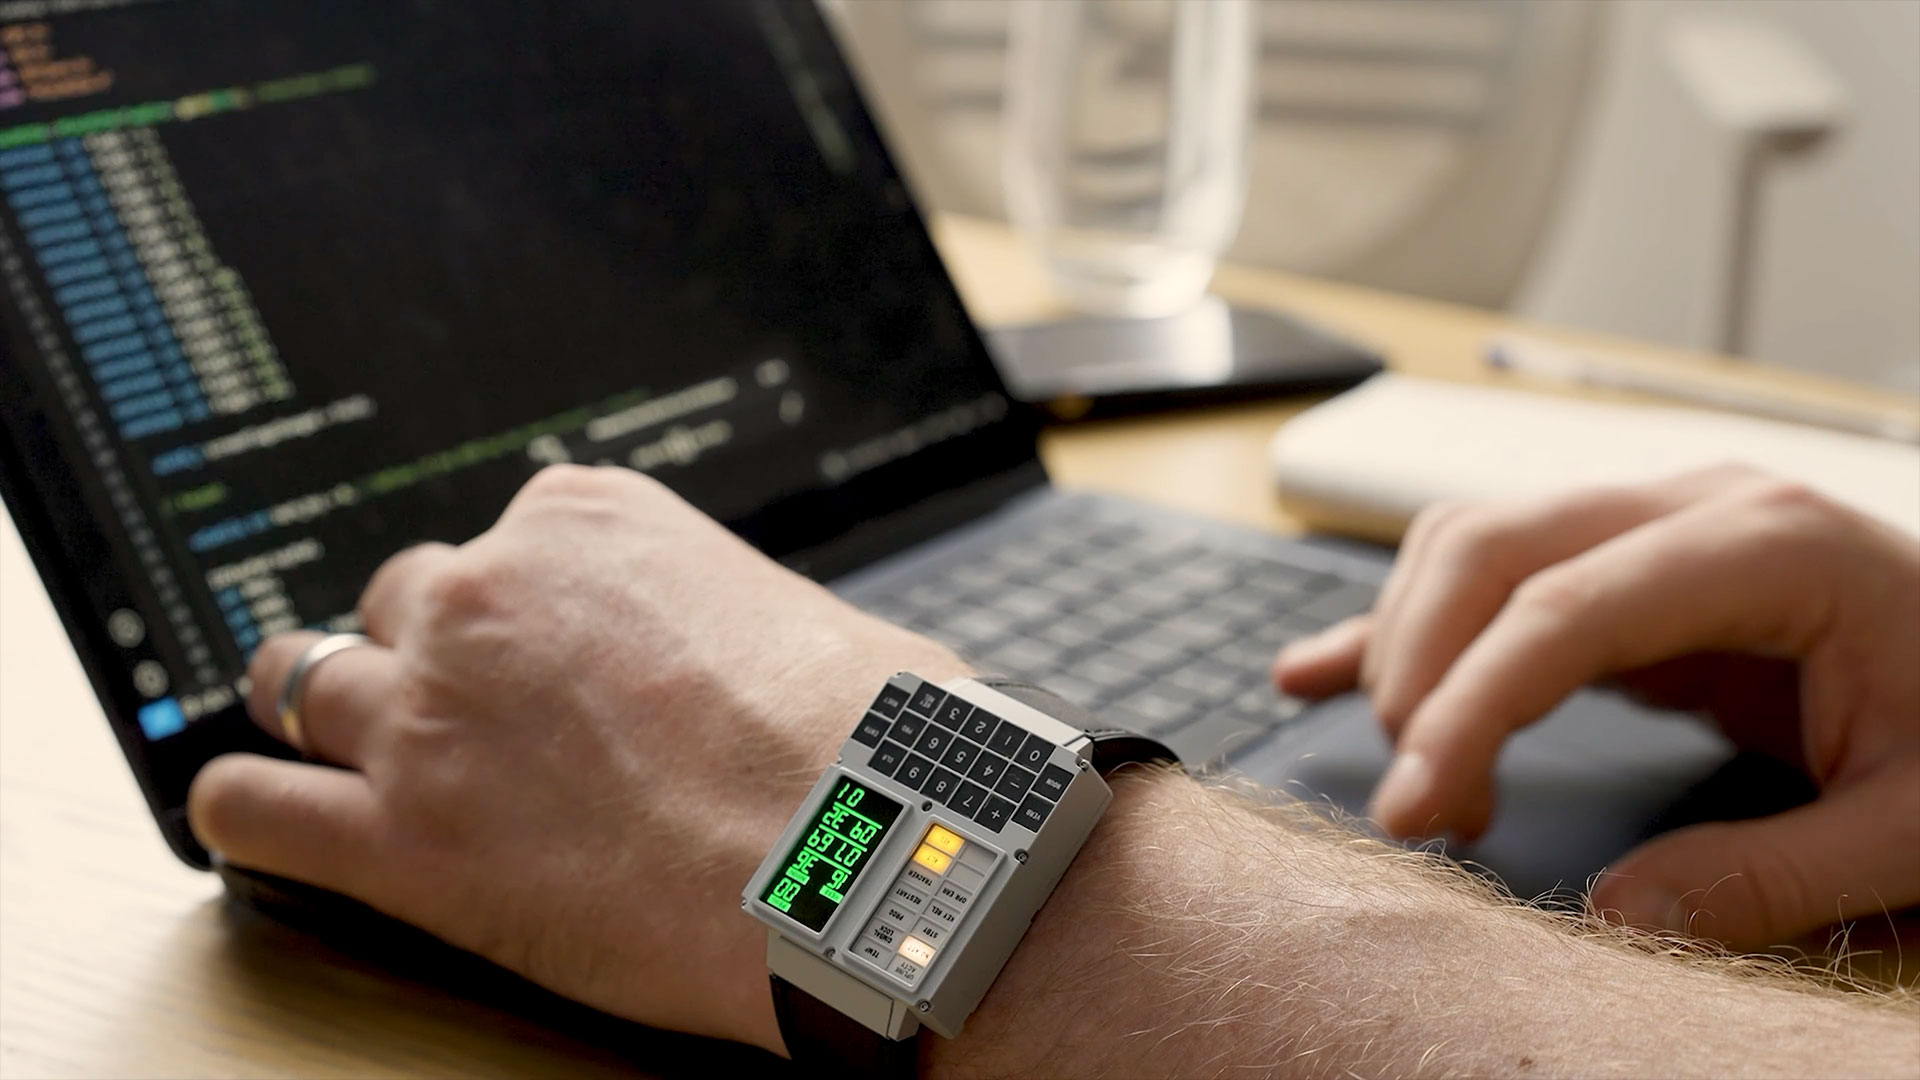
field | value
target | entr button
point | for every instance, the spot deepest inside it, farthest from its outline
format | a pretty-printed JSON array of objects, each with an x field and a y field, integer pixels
[
  {"x": 1033, "y": 753},
  {"x": 1007, "y": 739},
  {"x": 1032, "y": 813},
  {"x": 871, "y": 730},
  {"x": 1053, "y": 782},
  {"x": 891, "y": 700}
]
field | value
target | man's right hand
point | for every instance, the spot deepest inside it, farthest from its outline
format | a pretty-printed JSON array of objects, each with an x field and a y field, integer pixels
[{"x": 1791, "y": 621}]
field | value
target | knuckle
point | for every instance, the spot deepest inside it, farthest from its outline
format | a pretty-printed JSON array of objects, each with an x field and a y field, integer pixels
[
  {"x": 1721, "y": 476},
  {"x": 465, "y": 590},
  {"x": 1556, "y": 593},
  {"x": 570, "y": 481}
]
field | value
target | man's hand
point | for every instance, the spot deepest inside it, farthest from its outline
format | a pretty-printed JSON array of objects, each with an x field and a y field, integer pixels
[
  {"x": 578, "y": 736},
  {"x": 1792, "y": 622}
]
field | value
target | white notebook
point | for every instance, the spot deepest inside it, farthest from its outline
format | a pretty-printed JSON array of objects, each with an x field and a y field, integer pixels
[{"x": 1368, "y": 460}]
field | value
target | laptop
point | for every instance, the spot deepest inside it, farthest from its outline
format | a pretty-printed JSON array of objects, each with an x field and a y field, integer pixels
[{"x": 290, "y": 287}]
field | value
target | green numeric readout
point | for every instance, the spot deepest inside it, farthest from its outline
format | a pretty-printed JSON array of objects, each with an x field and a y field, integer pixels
[{"x": 832, "y": 851}]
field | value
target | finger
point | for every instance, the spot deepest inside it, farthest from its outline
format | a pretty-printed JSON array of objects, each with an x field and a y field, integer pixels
[
  {"x": 341, "y": 698},
  {"x": 1681, "y": 584},
  {"x": 390, "y": 594},
  {"x": 1408, "y": 565},
  {"x": 313, "y": 823},
  {"x": 1477, "y": 557},
  {"x": 1325, "y": 664},
  {"x": 1751, "y": 884}
]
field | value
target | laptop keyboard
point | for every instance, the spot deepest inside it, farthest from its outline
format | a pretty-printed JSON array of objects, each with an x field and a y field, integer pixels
[{"x": 1155, "y": 627}]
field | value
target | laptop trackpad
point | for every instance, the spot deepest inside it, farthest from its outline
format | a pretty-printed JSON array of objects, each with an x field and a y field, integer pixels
[{"x": 1576, "y": 791}]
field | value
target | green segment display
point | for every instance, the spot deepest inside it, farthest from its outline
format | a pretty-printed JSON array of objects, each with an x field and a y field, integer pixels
[{"x": 832, "y": 851}]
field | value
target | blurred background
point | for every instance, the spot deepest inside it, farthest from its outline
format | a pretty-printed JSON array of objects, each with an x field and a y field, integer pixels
[{"x": 1733, "y": 175}]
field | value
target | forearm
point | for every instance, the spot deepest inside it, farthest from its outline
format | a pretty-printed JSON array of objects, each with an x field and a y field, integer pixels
[{"x": 1201, "y": 934}]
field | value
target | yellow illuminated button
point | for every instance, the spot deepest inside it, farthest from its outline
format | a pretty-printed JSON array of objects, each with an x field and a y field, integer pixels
[
  {"x": 932, "y": 858},
  {"x": 945, "y": 839},
  {"x": 917, "y": 951}
]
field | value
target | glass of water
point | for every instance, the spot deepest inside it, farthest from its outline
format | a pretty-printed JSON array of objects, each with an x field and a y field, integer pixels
[{"x": 1126, "y": 134}]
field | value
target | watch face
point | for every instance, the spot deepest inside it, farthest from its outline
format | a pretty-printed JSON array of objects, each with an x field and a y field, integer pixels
[{"x": 850, "y": 822}]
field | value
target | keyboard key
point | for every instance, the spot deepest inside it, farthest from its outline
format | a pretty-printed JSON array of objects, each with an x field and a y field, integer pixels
[
  {"x": 1032, "y": 813},
  {"x": 1007, "y": 739},
  {"x": 959, "y": 756},
  {"x": 1207, "y": 680},
  {"x": 927, "y": 700},
  {"x": 1073, "y": 582},
  {"x": 941, "y": 785},
  {"x": 907, "y": 728},
  {"x": 978, "y": 628},
  {"x": 887, "y": 758},
  {"x": 870, "y": 730},
  {"x": 1106, "y": 671},
  {"x": 1033, "y": 753},
  {"x": 969, "y": 799},
  {"x": 953, "y": 715},
  {"x": 1028, "y": 604},
  {"x": 891, "y": 700},
  {"x": 987, "y": 768},
  {"x": 914, "y": 771},
  {"x": 933, "y": 741},
  {"x": 1196, "y": 633},
  {"x": 1014, "y": 782},
  {"x": 1079, "y": 691},
  {"x": 1215, "y": 736},
  {"x": 1160, "y": 709},
  {"x": 1072, "y": 632},
  {"x": 1026, "y": 656},
  {"x": 1053, "y": 782},
  {"x": 980, "y": 726},
  {"x": 1153, "y": 647},
  {"x": 993, "y": 814}
]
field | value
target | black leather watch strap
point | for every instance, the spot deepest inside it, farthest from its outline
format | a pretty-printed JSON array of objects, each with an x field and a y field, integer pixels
[
  {"x": 824, "y": 1041},
  {"x": 1112, "y": 747}
]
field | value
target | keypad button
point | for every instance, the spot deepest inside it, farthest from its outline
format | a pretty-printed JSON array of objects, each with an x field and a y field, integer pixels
[
  {"x": 914, "y": 771},
  {"x": 953, "y": 897},
  {"x": 959, "y": 756},
  {"x": 934, "y": 741},
  {"x": 933, "y": 933},
  {"x": 987, "y": 768},
  {"x": 1032, "y": 813},
  {"x": 954, "y": 714},
  {"x": 1007, "y": 739},
  {"x": 904, "y": 969},
  {"x": 907, "y": 728},
  {"x": 916, "y": 950},
  {"x": 886, "y": 933},
  {"x": 927, "y": 700},
  {"x": 980, "y": 726},
  {"x": 994, "y": 813},
  {"x": 869, "y": 949},
  {"x": 891, "y": 700},
  {"x": 871, "y": 730},
  {"x": 1033, "y": 753},
  {"x": 942, "y": 785},
  {"x": 968, "y": 799},
  {"x": 1013, "y": 783},
  {"x": 1053, "y": 782},
  {"x": 887, "y": 758},
  {"x": 944, "y": 915}
]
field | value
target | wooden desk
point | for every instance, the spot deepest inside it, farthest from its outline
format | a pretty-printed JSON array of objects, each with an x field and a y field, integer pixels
[{"x": 116, "y": 960}]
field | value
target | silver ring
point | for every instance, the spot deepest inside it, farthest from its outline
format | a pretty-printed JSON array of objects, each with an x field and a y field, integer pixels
[{"x": 296, "y": 683}]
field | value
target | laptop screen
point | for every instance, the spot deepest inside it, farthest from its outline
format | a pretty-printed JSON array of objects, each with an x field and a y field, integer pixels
[{"x": 289, "y": 287}]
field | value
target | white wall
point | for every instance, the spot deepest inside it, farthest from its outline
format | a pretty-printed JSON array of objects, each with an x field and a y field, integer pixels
[{"x": 1635, "y": 243}]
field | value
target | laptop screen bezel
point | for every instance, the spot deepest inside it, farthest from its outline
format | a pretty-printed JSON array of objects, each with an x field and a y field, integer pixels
[{"x": 59, "y": 519}]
